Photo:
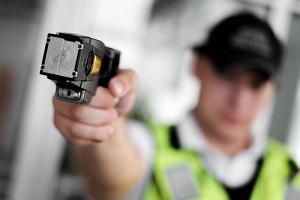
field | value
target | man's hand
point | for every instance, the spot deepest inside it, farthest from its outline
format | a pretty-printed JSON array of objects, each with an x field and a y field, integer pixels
[
  {"x": 110, "y": 165},
  {"x": 85, "y": 124}
]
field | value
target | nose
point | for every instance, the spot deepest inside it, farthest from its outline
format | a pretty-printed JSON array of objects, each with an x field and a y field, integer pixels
[{"x": 241, "y": 97}]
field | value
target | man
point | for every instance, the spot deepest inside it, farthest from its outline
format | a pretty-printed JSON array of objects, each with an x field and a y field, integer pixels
[{"x": 212, "y": 154}]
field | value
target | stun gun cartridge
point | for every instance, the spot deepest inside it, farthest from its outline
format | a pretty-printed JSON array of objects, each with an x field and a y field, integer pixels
[{"x": 78, "y": 64}]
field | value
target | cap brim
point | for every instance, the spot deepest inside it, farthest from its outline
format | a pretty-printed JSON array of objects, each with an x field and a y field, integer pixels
[
  {"x": 250, "y": 63},
  {"x": 205, "y": 49},
  {"x": 244, "y": 62}
]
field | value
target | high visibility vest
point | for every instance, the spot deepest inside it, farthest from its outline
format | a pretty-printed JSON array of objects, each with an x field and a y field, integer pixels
[{"x": 179, "y": 174}]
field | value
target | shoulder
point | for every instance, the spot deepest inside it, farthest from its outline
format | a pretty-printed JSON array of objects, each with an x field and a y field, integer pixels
[
  {"x": 278, "y": 154},
  {"x": 277, "y": 150},
  {"x": 276, "y": 145}
]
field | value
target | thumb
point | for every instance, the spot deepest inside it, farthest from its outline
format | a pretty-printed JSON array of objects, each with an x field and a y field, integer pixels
[{"x": 124, "y": 87}]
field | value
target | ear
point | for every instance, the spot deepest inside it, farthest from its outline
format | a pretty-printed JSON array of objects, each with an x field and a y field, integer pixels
[{"x": 197, "y": 66}]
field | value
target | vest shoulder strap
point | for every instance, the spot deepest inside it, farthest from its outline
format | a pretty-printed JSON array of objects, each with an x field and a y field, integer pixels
[
  {"x": 277, "y": 175},
  {"x": 292, "y": 192}
]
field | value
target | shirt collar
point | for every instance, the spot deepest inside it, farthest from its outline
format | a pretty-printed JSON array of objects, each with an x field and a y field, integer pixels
[{"x": 191, "y": 137}]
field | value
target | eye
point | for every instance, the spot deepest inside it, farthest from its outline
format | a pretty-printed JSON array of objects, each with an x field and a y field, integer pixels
[
  {"x": 258, "y": 83},
  {"x": 259, "y": 79}
]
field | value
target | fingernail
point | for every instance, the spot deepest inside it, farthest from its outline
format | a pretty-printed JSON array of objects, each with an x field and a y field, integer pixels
[{"x": 118, "y": 87}]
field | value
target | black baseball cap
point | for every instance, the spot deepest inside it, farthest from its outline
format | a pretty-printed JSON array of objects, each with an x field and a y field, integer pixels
[{"x": 242, "y": 41}]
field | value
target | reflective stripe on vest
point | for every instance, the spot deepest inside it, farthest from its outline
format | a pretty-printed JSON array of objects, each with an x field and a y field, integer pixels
[
  {"x": 292, "y": 193},
  {"x": 182, "y": 182}
]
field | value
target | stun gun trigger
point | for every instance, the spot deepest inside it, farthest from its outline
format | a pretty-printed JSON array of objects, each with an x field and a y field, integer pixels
[{"x": 78, "y": 64}]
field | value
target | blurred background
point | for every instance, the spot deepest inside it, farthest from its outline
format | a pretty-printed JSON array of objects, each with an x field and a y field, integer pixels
[{"x": 154, "y": 37}]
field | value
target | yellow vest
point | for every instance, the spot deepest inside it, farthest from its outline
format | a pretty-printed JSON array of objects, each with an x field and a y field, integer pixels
[{"x": 179, "y": 174}]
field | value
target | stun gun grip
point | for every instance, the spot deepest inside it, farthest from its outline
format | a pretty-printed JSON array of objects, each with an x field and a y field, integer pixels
[{"x": 78, "y": 64}]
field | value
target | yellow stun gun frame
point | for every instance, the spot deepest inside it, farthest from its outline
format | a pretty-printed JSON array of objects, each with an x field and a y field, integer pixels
[{"x": 78, "y": 64}]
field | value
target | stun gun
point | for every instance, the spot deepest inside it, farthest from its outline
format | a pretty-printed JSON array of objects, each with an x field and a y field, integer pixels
[{"x": 78, "y": 64}]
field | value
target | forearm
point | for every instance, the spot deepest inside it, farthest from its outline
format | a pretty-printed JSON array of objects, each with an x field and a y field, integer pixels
[{"x": 112, "y": 167}]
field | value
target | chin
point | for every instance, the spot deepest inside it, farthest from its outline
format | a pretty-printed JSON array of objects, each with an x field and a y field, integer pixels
[{"x": 231, "y": 133}]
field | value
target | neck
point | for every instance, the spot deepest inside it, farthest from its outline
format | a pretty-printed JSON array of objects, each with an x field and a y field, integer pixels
[{"x": 228, "y": 146}]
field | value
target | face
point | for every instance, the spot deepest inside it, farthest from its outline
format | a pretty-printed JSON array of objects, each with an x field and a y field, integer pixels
[{"x": 228, "y": 104}]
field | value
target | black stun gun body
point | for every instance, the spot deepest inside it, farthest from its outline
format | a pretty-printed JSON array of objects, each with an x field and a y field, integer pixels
[{"x": 78, "y": 64}]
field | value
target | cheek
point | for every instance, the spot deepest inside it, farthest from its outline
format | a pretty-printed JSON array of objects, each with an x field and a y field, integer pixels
[
  {"x": 216, "y": 97},
  {"x": 258, "y": 104},
  {"x": 220, "y": 94}
]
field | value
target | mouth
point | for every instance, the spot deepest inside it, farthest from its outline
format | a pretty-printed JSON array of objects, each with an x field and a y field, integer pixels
[{"x": 232, "y": 119}]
